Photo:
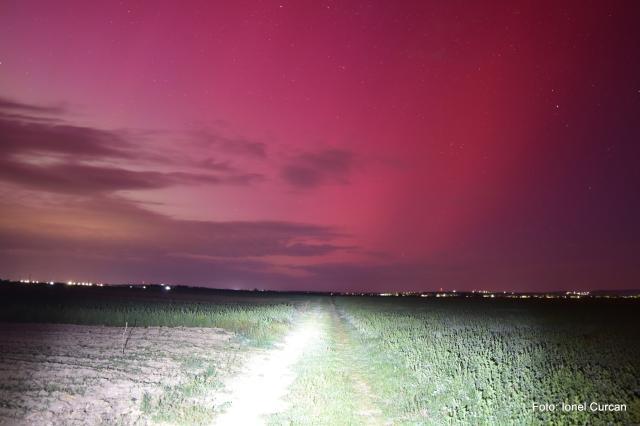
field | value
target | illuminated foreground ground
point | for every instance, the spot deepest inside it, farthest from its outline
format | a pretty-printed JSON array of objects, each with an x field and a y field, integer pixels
[
  {"x": 59, "y": 373},
  {"x": 313, "y": 377},
  {"x": 263, "y": 384},
  {"x": 78, "y": 374},
  {"x": 316, "y": 360}
]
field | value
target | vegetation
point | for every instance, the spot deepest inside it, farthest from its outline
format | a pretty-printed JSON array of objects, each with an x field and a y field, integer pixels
[
  {"x": 331, "y": 386},
  {"x": 482, "y": 362},
  {"x": 392, "y": 360},
  {"x": 185, "y": 403},
  {"x": 177, "y": 379},
  {"x": 260, "y": 322}
]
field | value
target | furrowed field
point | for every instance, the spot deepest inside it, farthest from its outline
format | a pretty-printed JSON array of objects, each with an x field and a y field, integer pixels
[
  {"x": 197, "y": 357},
  {"x": 132, "y": 356}
]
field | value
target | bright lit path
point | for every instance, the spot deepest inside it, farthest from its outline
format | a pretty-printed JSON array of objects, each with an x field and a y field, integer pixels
[
  {"x": 315, "y": 373},
  {"x": 261, "y": 388}
]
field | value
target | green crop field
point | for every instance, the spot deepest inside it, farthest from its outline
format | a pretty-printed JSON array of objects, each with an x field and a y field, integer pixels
[
  {"x": 350, "y": 360},
  {"x": 260, "y": 323},
  {"x": 484, "y": 362}
]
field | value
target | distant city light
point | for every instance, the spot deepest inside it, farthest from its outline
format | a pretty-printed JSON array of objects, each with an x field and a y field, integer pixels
[{"x": 571, "y": 294}]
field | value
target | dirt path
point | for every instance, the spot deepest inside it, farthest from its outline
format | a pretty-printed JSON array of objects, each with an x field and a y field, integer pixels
[
  {"x": 260, "y": 389},
  {"x": 54, "y": 373},
  {"x": 369, "y": 413},
  {"x": 295, "y": 378}
]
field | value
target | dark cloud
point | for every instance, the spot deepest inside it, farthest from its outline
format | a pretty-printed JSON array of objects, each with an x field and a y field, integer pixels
[
  {"x": 212, "y": 164},
  {"x": 244, "y": 147},
  {"x": 241, "y": 239},
  {"x": 56, "y": 138},
  {"x": 230, "y": 145},
  {"x": 302, "y": 177},
  {"x": 85, "y": 179},
  {"x": 11, "y": 105},
  {"x": 85, "y": 224},
  {"x": 242, "y": 179},
  {"x": 37, "y": 129},
  {"x": 310, "y": 170},
  {"x": 57, "y": 153},
  {"x": 15, "y": 116},
  {"x": 112, "y": 229}
]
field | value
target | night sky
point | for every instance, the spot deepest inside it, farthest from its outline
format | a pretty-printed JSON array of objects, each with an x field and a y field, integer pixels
[{"x": 322, "y": 145}]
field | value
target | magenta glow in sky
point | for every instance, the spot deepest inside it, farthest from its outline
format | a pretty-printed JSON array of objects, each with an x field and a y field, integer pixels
[{"x": 321, "y": 145}]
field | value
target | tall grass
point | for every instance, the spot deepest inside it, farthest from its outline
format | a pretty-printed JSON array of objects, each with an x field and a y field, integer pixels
[{"x": 259, "y": 323}]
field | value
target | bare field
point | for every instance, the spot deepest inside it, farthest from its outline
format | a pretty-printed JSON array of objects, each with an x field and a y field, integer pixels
[{"x": 78, "y": 374}]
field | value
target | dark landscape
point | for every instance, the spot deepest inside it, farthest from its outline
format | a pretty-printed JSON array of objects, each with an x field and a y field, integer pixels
[{"x": 371, "y": 359}]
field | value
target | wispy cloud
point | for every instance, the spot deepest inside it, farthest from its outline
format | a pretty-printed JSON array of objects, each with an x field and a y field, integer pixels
[
  {"x": 56, "y": 138},
  {"x": 231, "y": 145},
  {"x": 84, "y": 179},
  {"x": 117, "y": 228},
  {"x": 312, "y": 169},
  {"x": 61, "y": 157},
  {"x": 21, "y": 107}
]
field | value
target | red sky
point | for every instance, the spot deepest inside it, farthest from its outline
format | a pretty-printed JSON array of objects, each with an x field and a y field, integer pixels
[{"x": 321, "y": 145}]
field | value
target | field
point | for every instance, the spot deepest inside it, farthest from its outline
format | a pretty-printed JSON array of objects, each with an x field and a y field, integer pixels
[
  {"x": 77, "y": 373},
  {"x": 124, "y": 356}
]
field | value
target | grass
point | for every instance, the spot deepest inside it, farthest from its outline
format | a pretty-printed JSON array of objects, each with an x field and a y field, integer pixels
[
  {"x": 410, "y": 361},
  {"x": 184, "y": 403},
  {"x": 486, "y": 363},
  {"x": 259, "y": 324},
  {"x": 332, "y": 381},
  {"x": 400, "y": 360}
]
